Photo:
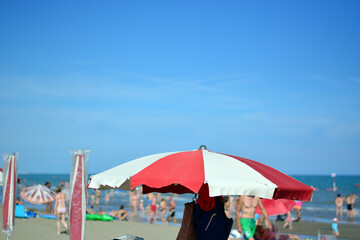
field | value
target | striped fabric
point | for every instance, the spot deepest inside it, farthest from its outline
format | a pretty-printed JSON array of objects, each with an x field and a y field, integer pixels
[
  {"x": 38, "y": 194},
  {"x": 9, "y": 192},
  {"x": 186, "y": 172}
]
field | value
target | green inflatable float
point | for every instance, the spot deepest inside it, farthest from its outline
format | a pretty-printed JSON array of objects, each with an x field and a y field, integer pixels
[{"x": 98, "y": 217}]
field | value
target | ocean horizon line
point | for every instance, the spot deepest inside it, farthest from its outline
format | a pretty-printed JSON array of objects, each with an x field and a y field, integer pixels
[{"x": 290, "y": 174}]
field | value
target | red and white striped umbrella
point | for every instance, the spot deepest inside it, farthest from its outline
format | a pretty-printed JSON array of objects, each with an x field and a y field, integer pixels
[
  {"x": 186, "y": 172},
  {"x": 276, "y": 206},
  {"x": 9, "y": 192},
  {"x": 78, "y": 182},
  {"x": 38, "y": 194}
]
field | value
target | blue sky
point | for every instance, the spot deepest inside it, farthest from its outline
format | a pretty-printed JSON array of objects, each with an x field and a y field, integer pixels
[{"x": 273, "y": 81}]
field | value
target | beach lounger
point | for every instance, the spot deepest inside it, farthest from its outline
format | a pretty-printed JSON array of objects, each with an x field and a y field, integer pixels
[
  {"x": 128, "y": 237},
  {"x": 20, "y": 211},
  {"x": 326, "y": 234}
]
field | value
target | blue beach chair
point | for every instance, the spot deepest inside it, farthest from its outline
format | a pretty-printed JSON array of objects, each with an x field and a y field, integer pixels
[{"x": 20, "y": 211}]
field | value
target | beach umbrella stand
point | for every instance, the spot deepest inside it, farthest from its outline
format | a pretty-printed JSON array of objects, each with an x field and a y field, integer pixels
[
  {"x": 9, "y": 192},
  {"x": 78, "y": 183}
]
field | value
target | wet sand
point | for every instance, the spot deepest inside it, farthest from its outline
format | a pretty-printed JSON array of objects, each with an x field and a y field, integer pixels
[{"x": 347, "y": 231}]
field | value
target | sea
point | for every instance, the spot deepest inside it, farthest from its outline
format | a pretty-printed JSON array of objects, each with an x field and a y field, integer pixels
[{"x": 320, "y": 209}]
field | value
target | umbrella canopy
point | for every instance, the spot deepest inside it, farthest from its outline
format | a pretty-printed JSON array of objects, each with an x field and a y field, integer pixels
[
  {"x": 38, "y": 194},
  {"x": 78, "y": 182},
  {"x": 276, "y": 206},
  {"x": 186, "y": 172},
  {"x": 9, "y": 192}
]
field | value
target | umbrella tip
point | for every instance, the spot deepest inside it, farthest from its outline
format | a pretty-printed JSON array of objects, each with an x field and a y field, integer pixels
[{"x": 202, "y": 147}]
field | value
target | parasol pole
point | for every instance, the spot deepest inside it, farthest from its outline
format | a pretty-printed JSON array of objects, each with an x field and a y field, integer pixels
[{"x": 333, "y": 175}]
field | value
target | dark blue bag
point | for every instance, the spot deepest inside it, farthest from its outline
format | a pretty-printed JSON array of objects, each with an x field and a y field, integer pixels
[{"x": 212, "y": 224}]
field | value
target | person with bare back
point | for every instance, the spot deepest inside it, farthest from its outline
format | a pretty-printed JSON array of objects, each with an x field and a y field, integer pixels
[
  {"x": 339, "y": 205},
  {"x": 152, "y": 200},
  {"x": 171, "y": 213},
  {"x": 61, "y": 204},
  {"x": 245, "y": 215}
]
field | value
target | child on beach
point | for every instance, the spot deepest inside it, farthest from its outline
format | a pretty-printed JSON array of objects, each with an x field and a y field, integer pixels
[
  {"x": 334, "y": 227},
  {"x": 288, "y": 221}
]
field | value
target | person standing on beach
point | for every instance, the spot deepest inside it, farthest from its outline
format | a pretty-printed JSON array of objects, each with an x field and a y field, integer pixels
[
  {"x": 288, "y": 220},
  {"x": 297, "y": 207},
  {"x": 349, "y": 205},
  {"x": 245, "y": 215},
  {"x": 353, "y": 199},
  {"x": 339, "y": 205},
  {"x": 134, "y": 203},
  {"x": 163, "y": 210},
  {"x": 97, "y": 196},
  {"x": 171, "y": 213},
  {"x": 49, "y": 205},
  {"x": 152, "y": 200},
  {"x": 61, "y": 203}
]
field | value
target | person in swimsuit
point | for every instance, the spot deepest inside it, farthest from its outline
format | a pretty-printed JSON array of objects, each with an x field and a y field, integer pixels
[
  {"x": 353, "y": 199},
  {"x": 134, "y": 204},
  {"x": 288, "y": 220},
  {"x": 152, "y": 200},
  {"x": 123, "y": 214},
  {"x": 90, "y": 210},
  {"x": 245, "y": 215},
  {"x": 171, "y": 213},
  {"x": 339, "y": 205},
  {"x": 334, "y": 227},
  {"x": 19, "y": 201},
  {"x": 61, "y": 203},
  {"x": 349, "y": 206},
  {"x": 49, "y": 205},
  {"x": 163, "y": 210},
  {"x": 297, "y": 207}
]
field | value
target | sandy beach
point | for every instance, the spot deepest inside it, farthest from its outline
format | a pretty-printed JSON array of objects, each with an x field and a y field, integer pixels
[{"x": 41, "y": 229}]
